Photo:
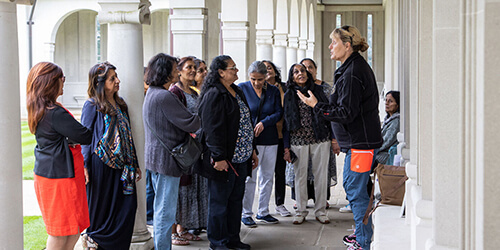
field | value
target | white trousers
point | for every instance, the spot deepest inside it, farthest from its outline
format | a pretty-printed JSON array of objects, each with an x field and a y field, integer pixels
[
  {"x": 265, "y": 174},
  {"x": 320, "y": 155}
]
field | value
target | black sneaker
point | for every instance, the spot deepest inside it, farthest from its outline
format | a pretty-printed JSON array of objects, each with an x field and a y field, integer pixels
[
  {"x": 238, "y": 245},
  {"x": 218, "y": 247},
  {"x": 248, "y": 221},
  {"x": 267, "y": 219}
]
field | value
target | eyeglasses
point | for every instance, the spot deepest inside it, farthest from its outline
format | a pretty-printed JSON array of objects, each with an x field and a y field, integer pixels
[{"x": 233, "y": 68}]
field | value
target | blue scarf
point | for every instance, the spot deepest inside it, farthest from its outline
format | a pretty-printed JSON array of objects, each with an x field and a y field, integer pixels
[{"x": 116, "y": 149}]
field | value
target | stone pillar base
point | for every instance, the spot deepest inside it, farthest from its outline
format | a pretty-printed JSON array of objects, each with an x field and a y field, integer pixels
[{"x": 143, "y": 245}]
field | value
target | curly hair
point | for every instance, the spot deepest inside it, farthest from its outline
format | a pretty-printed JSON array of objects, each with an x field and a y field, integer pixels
[
  {"x": 98, "y": 74},
  {"x": 213, "y": 76},
  {"x": 159, "y": 70},
  {"x": 42, "y": 90}
]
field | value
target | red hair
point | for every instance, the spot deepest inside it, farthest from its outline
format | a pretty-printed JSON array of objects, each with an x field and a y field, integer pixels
[{"x": 42, "y": 90}]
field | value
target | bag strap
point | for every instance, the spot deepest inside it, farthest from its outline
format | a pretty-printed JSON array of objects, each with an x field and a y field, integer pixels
[
  {"x": 261, "y": 103},
  {"x": 370, "y": 209},
  {"x": 157, "y": 137}
]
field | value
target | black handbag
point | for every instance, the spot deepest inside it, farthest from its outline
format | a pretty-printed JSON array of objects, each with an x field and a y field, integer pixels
[{"x": 185, "y": 154}]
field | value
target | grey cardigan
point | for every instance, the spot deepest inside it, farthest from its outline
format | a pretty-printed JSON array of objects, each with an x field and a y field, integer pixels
[{"x": 172, "y": 122}]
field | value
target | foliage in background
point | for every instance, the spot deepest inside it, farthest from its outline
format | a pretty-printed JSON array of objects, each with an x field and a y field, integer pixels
[
  {"x": 28, "y": 147},
  {"x": 35, "y": 236}
]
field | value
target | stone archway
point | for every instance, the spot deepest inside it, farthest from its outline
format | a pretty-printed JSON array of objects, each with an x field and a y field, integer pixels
[{"x": 77, "y": 47}]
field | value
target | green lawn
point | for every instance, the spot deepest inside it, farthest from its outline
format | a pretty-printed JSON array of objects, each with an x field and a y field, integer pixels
[
  {"x": 28, "y": 147},
  {"x": 35, "y": 236}
]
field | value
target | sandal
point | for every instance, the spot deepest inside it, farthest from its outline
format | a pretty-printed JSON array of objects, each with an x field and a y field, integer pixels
[
  {"x": 179, "y": 241},
  {"x": 88, "y": 243},
  {"x": 189, "y": 236}
]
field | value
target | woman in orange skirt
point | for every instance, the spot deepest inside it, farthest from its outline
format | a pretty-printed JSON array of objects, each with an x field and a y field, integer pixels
[{"x": 59, "y": 173}]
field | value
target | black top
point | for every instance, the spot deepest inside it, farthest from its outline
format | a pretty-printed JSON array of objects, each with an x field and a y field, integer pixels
[
  {"x": 220, "y": 117},
  {"x": 353, "y": 107},
  {"x": 57, "y": 129}
]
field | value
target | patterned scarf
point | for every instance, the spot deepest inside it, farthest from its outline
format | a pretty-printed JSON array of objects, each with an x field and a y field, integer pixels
[{"x": 116, "y": 148}]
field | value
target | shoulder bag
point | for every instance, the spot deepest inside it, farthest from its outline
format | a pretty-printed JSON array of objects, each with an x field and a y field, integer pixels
[{"x": 185, "y": 154}]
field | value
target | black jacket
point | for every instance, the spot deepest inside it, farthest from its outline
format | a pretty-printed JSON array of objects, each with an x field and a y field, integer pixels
[
  {"x": 220, "y": 121},
  {"x": 53, "y": 158},
  {"x": 353, "y": 107},
  {"x": 321, "y": 126}
]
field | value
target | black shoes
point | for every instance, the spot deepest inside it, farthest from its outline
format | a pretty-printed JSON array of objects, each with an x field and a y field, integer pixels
[{"x": 238, "y": 246}]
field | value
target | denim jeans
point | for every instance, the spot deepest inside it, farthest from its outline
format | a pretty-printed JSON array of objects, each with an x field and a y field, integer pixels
[
  {"x": 165, "y": 206},
  {"x": 150, "y": 196},
  {"x": 224, "y": 207},
  {"x": 357, "y": 194}
]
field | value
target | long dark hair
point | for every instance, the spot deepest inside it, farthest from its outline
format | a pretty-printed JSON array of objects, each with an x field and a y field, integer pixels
[
  {"x": 42, "y": 90},
  {"x": 97, "y": 81},
  {"x": 277, "y": 73},
  {"x": 290, "y": 81},
  {"x": 213, "y": 77}
]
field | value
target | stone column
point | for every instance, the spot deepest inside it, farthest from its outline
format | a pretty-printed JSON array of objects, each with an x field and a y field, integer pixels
[
  {"x": 447, "y": 122},
  {"x": 301, "y": 52},
  {"x": 279, "y": 54},
  {"x": 291, "y": 51},
  {"x": 11, "y": 210},
  {"x": 125, "y": 51},
  {"x": 264, "y": 44},
  {"x": 310, "y": 51},
  {"x": 189, "y": 23},
  {"x": 235, "y": 38}
]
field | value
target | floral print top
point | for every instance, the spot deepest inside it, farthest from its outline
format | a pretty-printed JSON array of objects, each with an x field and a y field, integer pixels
[
  {"x": 244, "y": 143},
  {"x": 305, "y": 134}
]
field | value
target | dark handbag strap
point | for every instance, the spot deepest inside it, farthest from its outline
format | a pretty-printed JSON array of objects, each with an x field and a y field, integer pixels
[
  {"x": 157, "y": 137},
  {"x": 261, "y": 103}
]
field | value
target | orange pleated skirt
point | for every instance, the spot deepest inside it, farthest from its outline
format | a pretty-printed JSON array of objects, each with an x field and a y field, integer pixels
[{"x": 63, "y": 202}]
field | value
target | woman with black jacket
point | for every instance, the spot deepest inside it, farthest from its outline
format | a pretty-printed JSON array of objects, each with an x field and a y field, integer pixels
[
  {"x": 227, "y": 132},
  {"x": 307, "y": 136},
  {"x": 59, "y": 175},
  {"x": 353, "y": 110}
]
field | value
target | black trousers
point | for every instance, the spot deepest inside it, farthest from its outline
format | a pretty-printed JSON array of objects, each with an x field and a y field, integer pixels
[
  {"x": 279, "y": 175},
  {"x": 224, "y": 207}
]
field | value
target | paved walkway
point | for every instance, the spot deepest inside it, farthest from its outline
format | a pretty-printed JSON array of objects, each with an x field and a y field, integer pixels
[{"x": 284, "y": 235}]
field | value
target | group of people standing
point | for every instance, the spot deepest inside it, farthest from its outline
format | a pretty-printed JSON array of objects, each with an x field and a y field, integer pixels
[{"x": 248, "y": 131}]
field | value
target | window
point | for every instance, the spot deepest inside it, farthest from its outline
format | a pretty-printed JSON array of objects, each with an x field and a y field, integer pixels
[
  {"x": 98, "y": 40},
  {"x": 338, "y": 25},
  {"x": 369, "y": 37}
]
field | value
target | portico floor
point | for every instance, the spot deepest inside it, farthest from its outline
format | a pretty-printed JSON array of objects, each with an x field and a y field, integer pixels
[{"x": 284, "y": 235}]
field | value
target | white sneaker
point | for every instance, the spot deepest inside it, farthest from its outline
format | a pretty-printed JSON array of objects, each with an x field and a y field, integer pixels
[
  {"x": 346, "y": 209},
  {"x": 281, "y": 209}
]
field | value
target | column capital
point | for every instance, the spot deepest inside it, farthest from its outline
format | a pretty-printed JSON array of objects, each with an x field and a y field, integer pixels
[
  {"x": 264, "y": 36},
  {"x": 280, "y": 39},
  {"x": 188, "y": 20},
  {"x": 128, "y": 11},
  {"x": 26, "y": 2},
  {"x": 235, "y": 30},
  {"x": 303, "y": 43},
  {"x": 293, "y": 42}
]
